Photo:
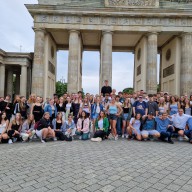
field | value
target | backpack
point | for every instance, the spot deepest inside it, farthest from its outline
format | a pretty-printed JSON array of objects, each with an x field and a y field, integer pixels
[{"x": 37, "y": 124}]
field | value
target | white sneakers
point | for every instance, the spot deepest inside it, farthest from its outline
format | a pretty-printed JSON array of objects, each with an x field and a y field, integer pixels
[
  {"x": 10, "y": 141},
  {"x": 98, "y": 139}
]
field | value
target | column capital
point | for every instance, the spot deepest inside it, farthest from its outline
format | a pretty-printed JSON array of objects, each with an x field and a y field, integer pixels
[
  {"x": 107, "y": 32},
  {"x": 74, "y": 31},
  {"x": 152, "y": 33},
  {"x": 185, "y": 33},
  {"x": 35, "y": 29}
]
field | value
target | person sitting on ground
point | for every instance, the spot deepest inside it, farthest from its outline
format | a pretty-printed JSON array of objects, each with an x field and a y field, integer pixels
[
  {"x": 44, "y": 129},
  {"x": 134, "y": 127},
  {"x": 164, "y": 127},
  {"x": 188, "y": 131},
  {"x": 69, "y": 128},
  {"x": 101, "y": 126},
  {"x": 27, "y": 131},
  {"x": 83, "y": 126},
  {"x": 4, "y": 123},
  {"x": 58, "y": 125},
  {"x": 179, "y": 122},
  {"x": 148, "y": 127},
  {"x": 15, "y": 129}
]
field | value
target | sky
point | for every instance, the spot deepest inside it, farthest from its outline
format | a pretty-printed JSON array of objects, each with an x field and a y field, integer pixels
[{"x": 17, "y": 35}]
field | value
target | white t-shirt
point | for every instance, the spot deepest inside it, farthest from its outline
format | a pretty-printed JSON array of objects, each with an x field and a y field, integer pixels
[
  {"x": 100, "y": 123},
  {"x": 2, "y": 127},
  {"x": 136, "y": 124},
  {"x": 68, "y": 106},
  {"x": 98, "y": 109}
]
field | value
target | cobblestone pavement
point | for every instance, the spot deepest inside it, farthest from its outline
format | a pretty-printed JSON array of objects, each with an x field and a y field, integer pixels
[{"x": 86, "y": 166}]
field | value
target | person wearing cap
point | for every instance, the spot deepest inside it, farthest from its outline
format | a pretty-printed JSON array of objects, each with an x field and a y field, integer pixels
[
  {"x": 148, "y": 126},
  {"x": 106, "y": 89},
  {"x": 140, "y": 106},
  {"x": 152, "y": 106},
  {"x": 164, "y": 127}
]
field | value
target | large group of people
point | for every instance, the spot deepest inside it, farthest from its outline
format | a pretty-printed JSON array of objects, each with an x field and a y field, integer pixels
[{"x": 108, "y": 115}]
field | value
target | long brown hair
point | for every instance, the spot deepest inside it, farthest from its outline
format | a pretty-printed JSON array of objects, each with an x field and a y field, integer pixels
[{"x": 100, "y": 115}]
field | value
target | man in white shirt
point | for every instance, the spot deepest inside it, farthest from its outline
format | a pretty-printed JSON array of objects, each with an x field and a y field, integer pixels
[{"x": 179, "y": 122}]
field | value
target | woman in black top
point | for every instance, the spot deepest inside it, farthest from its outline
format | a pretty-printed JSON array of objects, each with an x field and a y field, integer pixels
[
  {"x": 37, "y": 109},
  {"x": 44, "y": 129},
  {"x": 15, "y": 128},
  {"x": 75, "y": 108},
  {"x": 58, "y": 125},
  {"x": 61, "y": 106}
]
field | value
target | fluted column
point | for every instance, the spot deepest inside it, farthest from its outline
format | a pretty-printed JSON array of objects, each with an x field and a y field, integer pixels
[
  {"x": 106, "y": 58},
  {"x": 23, "y": 81},
  {"x": 151, "y": 76},
  {"x": 74, "y": 63},
  {"x": 10, "y": 82},
  {"x": 186, "y": 64},
  {"x": 38, "y": 63},
  {"x": 2, "y": 80}
]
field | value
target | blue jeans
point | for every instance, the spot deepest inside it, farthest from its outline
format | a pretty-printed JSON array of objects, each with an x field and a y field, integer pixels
[
  {"x": 166, "y": 134},
  {"x": 188, "y": 133},
  {"x": 118, "y": 126}
]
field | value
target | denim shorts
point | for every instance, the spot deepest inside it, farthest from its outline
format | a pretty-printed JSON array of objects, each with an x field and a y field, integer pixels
[
  {"x": 113, "y": 117},
  {"x": 95, "y": 116},
  {"x": 125, "y": 117},
  {"x": 149, "y": 132}
]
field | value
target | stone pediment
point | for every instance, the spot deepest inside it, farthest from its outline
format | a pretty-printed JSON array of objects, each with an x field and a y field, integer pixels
[{"x": 132, "y": 3}]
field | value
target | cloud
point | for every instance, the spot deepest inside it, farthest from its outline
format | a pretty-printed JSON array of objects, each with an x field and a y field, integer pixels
[{"x": 16, "y": 30}]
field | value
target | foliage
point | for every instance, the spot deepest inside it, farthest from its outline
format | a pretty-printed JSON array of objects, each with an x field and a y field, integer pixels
[
  {"x": 129, "y": 90},
  {"x": 61, "y": 88}
]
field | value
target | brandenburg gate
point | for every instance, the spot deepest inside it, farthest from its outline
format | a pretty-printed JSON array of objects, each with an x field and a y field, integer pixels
[{"x": 144, "y": 27}]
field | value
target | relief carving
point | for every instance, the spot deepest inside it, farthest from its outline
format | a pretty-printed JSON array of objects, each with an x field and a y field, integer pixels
[{"x": 116, "y": 2}]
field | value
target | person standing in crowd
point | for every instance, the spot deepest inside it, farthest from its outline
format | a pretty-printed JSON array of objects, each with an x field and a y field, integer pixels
[
  {"x": 58, "y": 125},
  {"x": 152, "y": 106},
  {"x": 21, "y": 107},
  {"x": 61, "y": 107},
  {"x": 68, "y": 107},
  {"x": 106, "y": 88},
  {"x": 174, "y": 105},
  {"x": 126, "y": 116},
  {"x": 106, "y": 101},
  {"x": 30, "y": 102},
  {"x": 179, "y": 123},
  {"x": 114, "y": 111},
  {"x": 148, "y": 127},
  {"x": 75, "y": 108},
  {"x": 96, "y": 108},
  {"x": 83, "y": 126},
  {"x": 187, "y": 108},
  {"x": 7, "y": 106},
  {"x": 162, "y": 106},
  {"x": 86, "y": 106},
  {"x": 134, "y": 127},
  {"x": 164, "y": 127},
  {"x": 119, "y": 118},
  {"x": 101, "y": 126},
  {"x": 140, "y": 106},
  {"x": 4, "y": 123},
  {"x": 44, "y": 128},
  {"x": 69, "y": 128},
  {"x": 15, "y": 129},
  {"x": 37, "y": 109},
  {"x": 15, "y": 108},
  {"x": 51, "y": 109},
  {"x": 46, "y": 102},
  {"x": 27, "y": 131}
]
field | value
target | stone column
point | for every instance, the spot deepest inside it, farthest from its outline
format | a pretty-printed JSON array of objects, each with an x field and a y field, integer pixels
[
  {"x": 74, "y": 62},
  {"x": 38, "y": 63},
  {"x": 2, "y": 80},
  {"x": 10, "y": 82},
  {"x": 151, "y": 76},
  {"x": 186, "y": 64},
  {"x": 106, "y": 58},
  {"x": 17, "y": 83},
  {"x": 23, "y": 81}
]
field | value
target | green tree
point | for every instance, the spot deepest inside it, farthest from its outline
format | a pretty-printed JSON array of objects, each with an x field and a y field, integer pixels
[
  {"x": 61, "y": 88},
  {"x": 129, "y": 90}
]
